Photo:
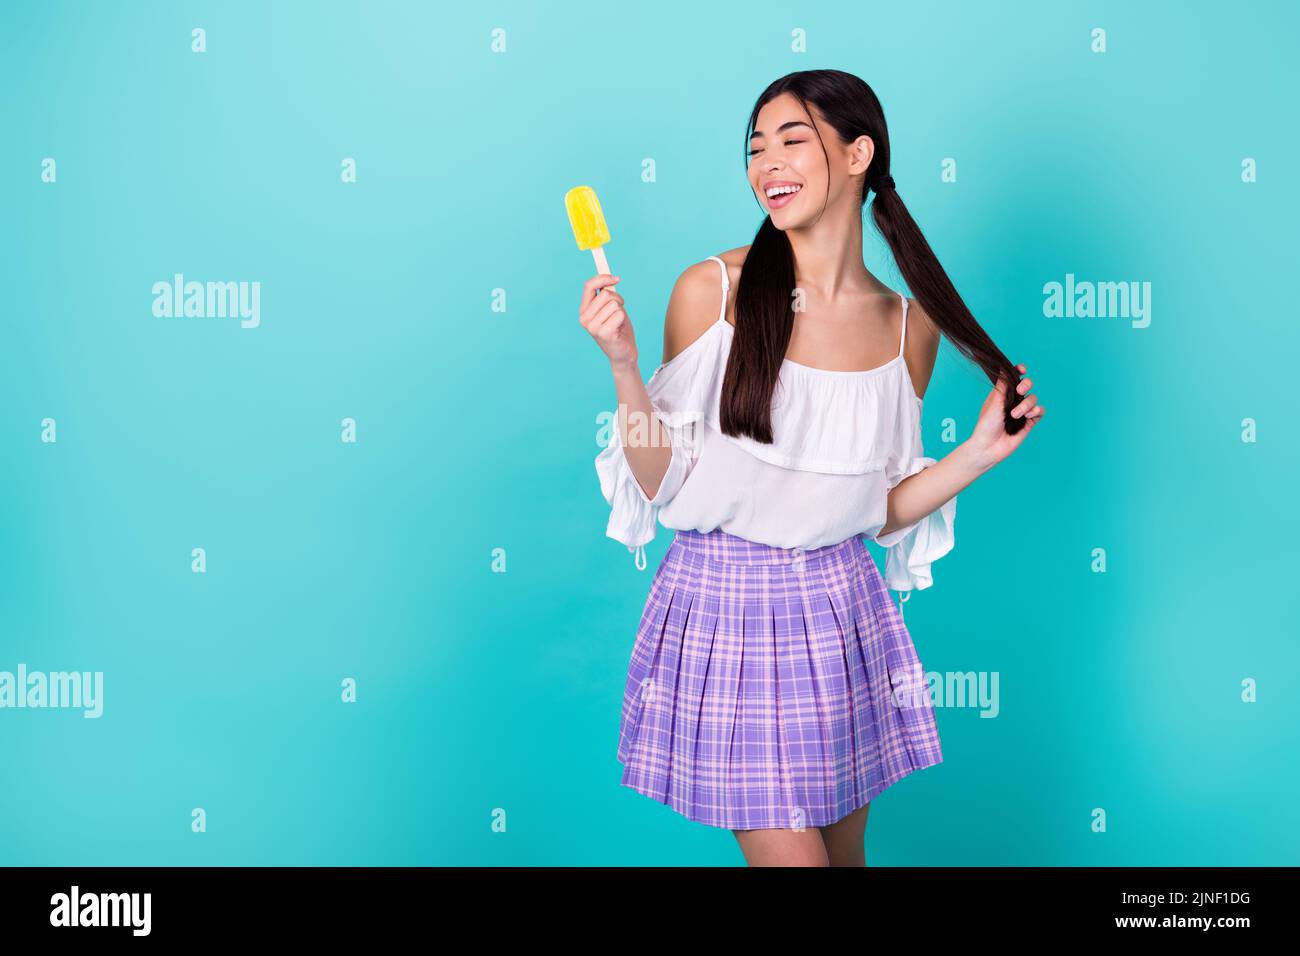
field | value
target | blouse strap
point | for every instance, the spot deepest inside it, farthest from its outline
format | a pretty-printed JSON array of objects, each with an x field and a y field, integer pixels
[
  {"x": 902, "y": 339},
  {"x": 726, "y": 284}
]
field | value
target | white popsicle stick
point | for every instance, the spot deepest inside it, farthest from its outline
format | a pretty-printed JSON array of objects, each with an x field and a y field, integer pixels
[{"x": 602, "y": 266}]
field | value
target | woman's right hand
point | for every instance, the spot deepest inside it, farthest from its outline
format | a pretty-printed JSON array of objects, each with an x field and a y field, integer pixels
[{"x": 602, "y": 314}]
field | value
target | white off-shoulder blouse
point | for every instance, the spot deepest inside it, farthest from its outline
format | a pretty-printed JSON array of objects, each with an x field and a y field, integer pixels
[{"x": 842, "y": 442}]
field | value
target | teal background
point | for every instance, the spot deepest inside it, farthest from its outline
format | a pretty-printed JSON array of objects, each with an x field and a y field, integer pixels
[{"x": 477, "y": 428}]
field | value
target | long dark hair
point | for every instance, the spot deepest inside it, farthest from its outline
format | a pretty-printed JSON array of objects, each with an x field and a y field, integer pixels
[{"x": 764, "y": 314}]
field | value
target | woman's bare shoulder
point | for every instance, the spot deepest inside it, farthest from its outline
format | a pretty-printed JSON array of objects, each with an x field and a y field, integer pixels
[
  {"x": 922, "y": 346},
  {"x": 696, "y": 302}
]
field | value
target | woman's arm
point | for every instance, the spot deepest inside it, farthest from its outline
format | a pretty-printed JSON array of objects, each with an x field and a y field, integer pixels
[
  {"x": 646, "y": 443},
  {"x": 918, "y": 495},
  {"x": 922, "y": 493}
]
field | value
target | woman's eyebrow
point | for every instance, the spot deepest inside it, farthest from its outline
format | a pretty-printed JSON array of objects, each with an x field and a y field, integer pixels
[{"x": 782, "y": 128}]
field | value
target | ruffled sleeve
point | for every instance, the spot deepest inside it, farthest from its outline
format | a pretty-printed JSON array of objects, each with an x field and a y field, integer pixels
[
  {"x": 679, "y": 391},
  {"x": 910, "y": 550},
  {"x": 632, "y": 515}
]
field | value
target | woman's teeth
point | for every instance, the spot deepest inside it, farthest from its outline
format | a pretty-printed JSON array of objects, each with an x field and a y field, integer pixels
[{"x": 779, "y": 196}]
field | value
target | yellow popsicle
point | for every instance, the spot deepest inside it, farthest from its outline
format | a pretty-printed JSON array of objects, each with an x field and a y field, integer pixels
[{"x": 585, "y": 217}]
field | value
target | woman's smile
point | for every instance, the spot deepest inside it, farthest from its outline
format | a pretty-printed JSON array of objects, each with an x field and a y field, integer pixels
[{"x": 779, "y": 194}]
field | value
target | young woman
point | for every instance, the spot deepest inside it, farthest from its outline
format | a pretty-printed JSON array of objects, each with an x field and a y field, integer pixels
[{"x": 773, "y": 689}]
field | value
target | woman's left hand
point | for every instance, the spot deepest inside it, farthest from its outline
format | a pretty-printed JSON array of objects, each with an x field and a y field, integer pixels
[{"x": 990, "y": 441}]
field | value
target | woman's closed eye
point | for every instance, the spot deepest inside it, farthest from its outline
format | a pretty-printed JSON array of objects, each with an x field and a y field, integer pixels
[{"x": 793, "y": 142}]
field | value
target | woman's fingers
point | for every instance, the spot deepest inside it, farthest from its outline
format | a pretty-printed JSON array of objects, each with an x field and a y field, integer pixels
[
  {"x": 602, "y": 314},
  {"x": 591, "y": 289},
  {"x": 1029, "y": 408},
  {"x": 607, "y": 319},
  {"x": 1029, "y": 402},
  {"x": 611, "y": 325},
  {"x": 598, "y": 305}
]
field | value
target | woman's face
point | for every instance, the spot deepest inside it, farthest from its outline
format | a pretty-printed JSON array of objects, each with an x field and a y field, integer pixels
[{"x": 785, "y": 151}]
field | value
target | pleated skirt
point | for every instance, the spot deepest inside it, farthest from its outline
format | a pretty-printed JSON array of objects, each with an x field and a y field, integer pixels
[{"x": 771, "y": 688}]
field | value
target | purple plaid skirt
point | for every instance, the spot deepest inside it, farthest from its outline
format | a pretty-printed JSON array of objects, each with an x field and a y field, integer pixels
[{"x": 771, "y": 687}]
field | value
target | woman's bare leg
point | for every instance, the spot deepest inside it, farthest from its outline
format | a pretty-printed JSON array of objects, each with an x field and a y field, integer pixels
[
  {"x": 782, "y": 847},
  {"x": 844, "y": 839}
]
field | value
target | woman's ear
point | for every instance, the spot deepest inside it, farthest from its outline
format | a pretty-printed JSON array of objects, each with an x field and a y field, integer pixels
[{"x": 860, "y": 155}]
